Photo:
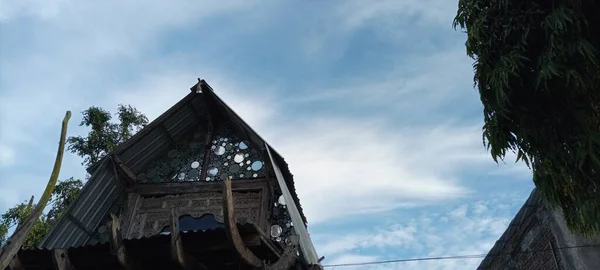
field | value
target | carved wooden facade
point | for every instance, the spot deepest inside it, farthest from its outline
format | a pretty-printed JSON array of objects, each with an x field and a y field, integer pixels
[{"x": 196, "y": 170}]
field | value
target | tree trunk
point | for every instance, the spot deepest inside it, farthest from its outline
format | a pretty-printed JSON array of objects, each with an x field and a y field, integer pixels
[{"x": 15, "y": 242}]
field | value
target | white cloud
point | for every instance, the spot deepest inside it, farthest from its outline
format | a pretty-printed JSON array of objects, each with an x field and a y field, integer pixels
[
  {"x": 382, "y": 13},
  {"x": 343, "y": 165},
  {"x": 422, "y": 237},
  {"x": 479, "y": 207},
  {"x": 374, "y": 169},
  {"x": 459, "y": 212}
]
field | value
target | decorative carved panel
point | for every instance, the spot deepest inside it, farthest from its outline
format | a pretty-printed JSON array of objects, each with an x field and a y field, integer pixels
[{"x": 153, "y": 213}]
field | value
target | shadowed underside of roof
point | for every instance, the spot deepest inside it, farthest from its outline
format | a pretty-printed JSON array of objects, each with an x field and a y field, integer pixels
[
  {"x": 155, "y": 252},
  {"x": 101, "y": 191}
]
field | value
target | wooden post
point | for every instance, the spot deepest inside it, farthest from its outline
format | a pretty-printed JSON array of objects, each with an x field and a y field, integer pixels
[
  {"x": 15, "y": 242},
  {"x": 61, "y": 260},
  {"x": 177, "y": 252},
  {"x": 233, "y": 235},
  {"x": 15, "y": 263},
  {"x": 117, "y": 247}
]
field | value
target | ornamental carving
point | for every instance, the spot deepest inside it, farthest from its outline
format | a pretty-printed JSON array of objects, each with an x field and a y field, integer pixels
[{"x": 154, "y": 214}]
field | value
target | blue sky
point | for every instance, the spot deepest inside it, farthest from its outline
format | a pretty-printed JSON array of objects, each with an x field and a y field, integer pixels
[{"x": 371, "y": 102}]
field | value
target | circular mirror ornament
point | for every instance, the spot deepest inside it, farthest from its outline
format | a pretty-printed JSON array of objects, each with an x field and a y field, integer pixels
[
  {"x": 257, "y": 165},
  {"x": 276, "y": 231},
  {"x": 234, "y": 168},
  {"x": 195, "y": 164},
  {"x": 243, "y": 145},
  {"x": 281, "y": 200},
  {"x": 194, "y": 173},
  {"x": 213, "y": 171},
  {"x": 219, "y": 150}
]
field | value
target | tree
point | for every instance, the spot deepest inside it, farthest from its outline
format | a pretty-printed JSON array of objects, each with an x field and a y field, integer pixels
[
  {"x": 537, "y": 72},
  {"x": 103, "y": 138}
]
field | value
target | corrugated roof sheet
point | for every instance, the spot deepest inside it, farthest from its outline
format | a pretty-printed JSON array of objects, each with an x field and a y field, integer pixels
[{"x": 100, "y": 191}]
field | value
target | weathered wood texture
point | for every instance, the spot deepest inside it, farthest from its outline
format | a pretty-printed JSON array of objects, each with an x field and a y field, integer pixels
[
  {"x": 233, "y": 234},
  {"x": 160, "y": 189},
  {"x": 289, "y": 257},
  {"x": 61, "y": 260},
  {"x": 209, "y": 136},
  {"x": 123, "y": 169},
  {"x": 117, "y": 246},
  {"x": 15, "y": 264},
  {"x": 15, "y": 242},
  {"x": 133, "y": 202},
  {"x": 177, "y": 252}
]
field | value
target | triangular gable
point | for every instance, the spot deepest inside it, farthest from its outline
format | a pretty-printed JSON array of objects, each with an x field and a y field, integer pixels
[{"x": 164, "y": 147}]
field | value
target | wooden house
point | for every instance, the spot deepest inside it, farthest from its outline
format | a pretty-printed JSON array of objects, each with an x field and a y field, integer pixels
[{"x": 195, "y": 189}]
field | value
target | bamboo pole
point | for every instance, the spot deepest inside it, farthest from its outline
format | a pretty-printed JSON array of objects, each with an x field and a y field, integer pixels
[{"x": 15, "y": 242}]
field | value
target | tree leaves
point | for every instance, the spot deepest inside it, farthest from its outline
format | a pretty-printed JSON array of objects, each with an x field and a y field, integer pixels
[
  {"x": 103, "y": 138},
  {"x": 536, "y": 69},
  {"x": 105, "y": 135}
]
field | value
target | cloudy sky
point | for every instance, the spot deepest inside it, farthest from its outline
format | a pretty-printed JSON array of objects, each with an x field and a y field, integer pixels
[{"x": 371, "y": 102}]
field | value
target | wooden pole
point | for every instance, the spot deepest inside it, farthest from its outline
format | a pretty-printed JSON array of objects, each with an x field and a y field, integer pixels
[{"x": 15, "y": 242}]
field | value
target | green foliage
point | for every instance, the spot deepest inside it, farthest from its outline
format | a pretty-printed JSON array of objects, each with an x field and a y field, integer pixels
[
  {"x": 64, "y": 194},
  {"x": 105, "y": 136},
  {"x": 14, "y": 216},
  {"x": 538, "y": 75}
]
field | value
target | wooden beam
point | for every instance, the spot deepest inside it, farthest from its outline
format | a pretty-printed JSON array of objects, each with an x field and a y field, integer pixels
[
  {"x": 194, "y": 109},
  {"x": 161, "y": 189},
  {"x": 207, "y": 149},
  {"x": 15, "y": 263},
  {"x": 78, "y": 224},
  {"x": 117, "y": 247},
  {"x": 133, "y": 202},
  {"x": 61, "y": 259},
  {"x": 265, "y": 240},
  {"x": 233, "y": 235},
  {"x": 289, "y": 257},
  {"x": 177, "y": 252},
  {"x": 130, "y": 176},
  {"x": 169, "y": 136}
]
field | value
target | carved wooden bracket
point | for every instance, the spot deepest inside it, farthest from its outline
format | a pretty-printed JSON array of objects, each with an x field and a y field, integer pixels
[
  {"x": 233, "y": 235},
  {"x": 177, "y": 252},
  {"x": 285, "y": 262},
  {"x": 116, "y": 245}
]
